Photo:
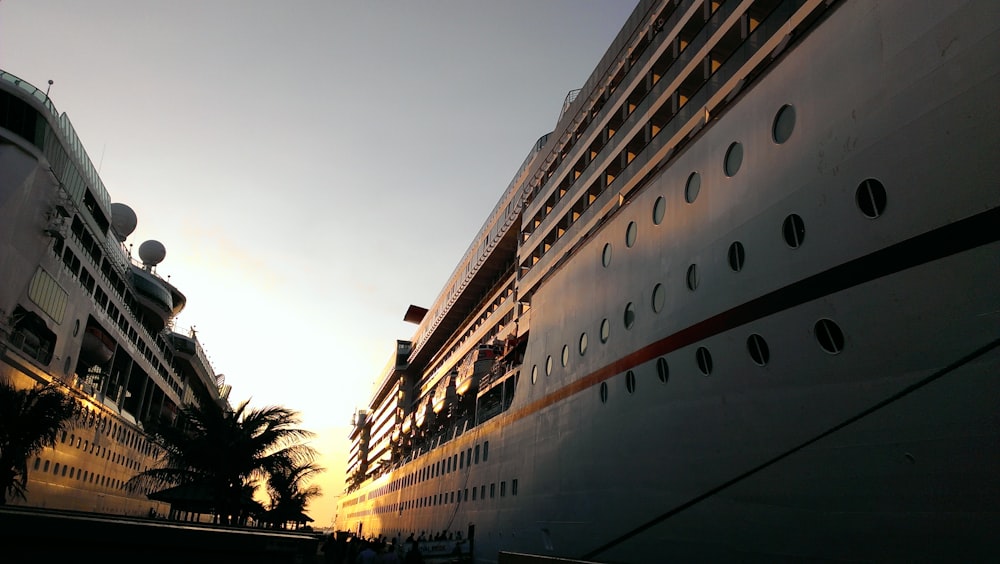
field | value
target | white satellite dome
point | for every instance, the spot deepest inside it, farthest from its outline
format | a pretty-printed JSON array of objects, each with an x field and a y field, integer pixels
[
  {"x": 152, "y": 252},
  {"x": 123, "y": 220}
]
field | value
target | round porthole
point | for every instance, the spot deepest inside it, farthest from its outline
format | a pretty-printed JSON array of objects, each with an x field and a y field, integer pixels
[
  {"x": 605, "y": 330},
  {"x": 604, "y": 392},
  {"x": 737, "y": 255},
  {"x": 692, "y": 187},
  {"x": 757, "y": 347},
  {"x": 794, "y": 231},
  {"x": 662, "y": 370},
  {"x": 692, "y": 277},
  {"x": 630, "y": 234},
  {"x": 734, "y": 159},
  {"x": 583, "y": 343},
  {"x": 784, "y": 124},
  {"x": 630, "y": 381},
  {"x": 565, "y": 355},
  {"x": 704, "y": 359},
  {"x": 548, "y": 365},
  {"x": 659, "y": 209},
  {"x": 659, "y": 298},
  {"x": 606, "y": 255},
  {"x": 829, "y": 335},
  {"x": 629, "y": 315},
  {"x": 870, "y": 197}
]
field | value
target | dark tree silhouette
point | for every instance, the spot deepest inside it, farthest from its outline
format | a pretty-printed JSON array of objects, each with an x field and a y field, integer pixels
[
  {"x": 287, "y": 487},
  {"x": 30, "y": 420},
  {"x": 227, "y": 452}
]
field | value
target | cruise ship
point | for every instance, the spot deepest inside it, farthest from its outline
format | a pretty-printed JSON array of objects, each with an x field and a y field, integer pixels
[
  {"x": 740, "y": 304},
  {"x": 77, "y": 310}
]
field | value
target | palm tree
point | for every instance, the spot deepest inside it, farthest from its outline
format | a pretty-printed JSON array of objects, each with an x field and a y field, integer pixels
[
  {"x": 30, "y": 420},
  {"x": 289, "y": 493},
  {"x": 227, "y": 452}
]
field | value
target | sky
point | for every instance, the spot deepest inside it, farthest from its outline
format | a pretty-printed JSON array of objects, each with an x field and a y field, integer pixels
[{"x": 311, "y": 167}]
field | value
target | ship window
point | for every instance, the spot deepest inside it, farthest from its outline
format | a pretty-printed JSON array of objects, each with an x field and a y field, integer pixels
[
  {"x": 474, "y": 494},
  {"x": 737, "y": 256},
  {"x": 503, "y": 489},
  {"x": 486, "y": 451},
  {"x": 659, "y": 209},
  {"x": 630, "y": 381},
  {"x": 784, "y": 123},
  {"x": 461, "y": 459},
  {"x": 604, "y": 392},
  {"x": 629, "y": 315},
  {"x": 482, "y": 491},
  {"x": 477, "y": 454},
  {"x": 605, "y": 330},
  {"x": 692, "y": 277},
  {"x": 829, "y": 335},
  {"x": 630, "y": 233},
  {"x": 692, "y": 188},
  {"x": 583, "y": 343},
  {"x": 468, "y": 456},
  {"x": 659, "y": 298},
  {"x": 565, "y": 355},
  {"x": 548, "y": 365},
  {"x": 757, "y": 347},
  {"x": 870, "y": 197},
  {"x": 534, "y": 373},
  {"x": 704, "y": 360},
  {"x": 493, "y": 490},
  {"x": 38, "y": 462},
  {"x": 662, "y": 370},
  {"x": 454, "y": 461},
  {"x": 606, "y": 255},
  {"x": 734, "y": 159},
  {"x": 794, "y": 231},
  {"x": 45, "y": 468},
  {"x": 513, "y": 487},
  {"x": 466, "y": 496},
  {"x": 55, "y": 469}
]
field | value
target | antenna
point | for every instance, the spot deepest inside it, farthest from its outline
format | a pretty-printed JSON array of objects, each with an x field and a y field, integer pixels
[{"x": 49, "y": 88}]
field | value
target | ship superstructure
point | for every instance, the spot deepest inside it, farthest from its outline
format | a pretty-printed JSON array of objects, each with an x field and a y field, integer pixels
[
  {"x": 739, "y": 304},
  {"x": 77, "y": 310}
]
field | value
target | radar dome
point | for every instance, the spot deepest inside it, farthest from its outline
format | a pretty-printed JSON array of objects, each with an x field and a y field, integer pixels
[
  {"x": 152, "y": 252},
  {"x": 123, "y": 220}
]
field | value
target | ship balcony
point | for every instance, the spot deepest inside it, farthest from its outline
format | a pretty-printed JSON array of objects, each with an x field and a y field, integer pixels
[
  {"x": 191, "y": 360},
  {"x": 153, "y": 295}
]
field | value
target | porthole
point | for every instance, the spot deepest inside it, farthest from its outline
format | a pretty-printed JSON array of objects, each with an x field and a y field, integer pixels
[
  {"x": 605, "y": 330},
  {"x": 606, "y": 255},
  {"x": 692, "y": 277},
  {"x": 662, "y": 370},
  {"x": 630, "y": 233},
  {"x": 659, "y": 298},
  {"x": 692, "y": 187},
  {"x": 784, "y": 123},
  {"x": 629, "y": 315},
  {"x": 757, "y": 347},
  {"x": 604, "y": 392},
  {"x": 870, "y": 197},
  {"x": 737, "y": 256},
  {"x": 704, "y": 360},
  {"x": 565, "y": 355},
  {"x": 829, "y": 335},
  {"x": 583, "y": 343},
  {"x": 548, "y": 365},
  {"x": 630, "y": 381},
  {"x": 794, "y": 231},
  {"x": 534, "y": 373},
  {"x": 659, "y": 209},
  {"x": 68, "y": 364},
  {"x": 76, "y": 327},
  {"x": 734, "y": 159}
]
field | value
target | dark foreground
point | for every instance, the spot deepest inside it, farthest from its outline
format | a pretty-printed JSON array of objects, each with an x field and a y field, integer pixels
[{"x": 30, "y": 534}]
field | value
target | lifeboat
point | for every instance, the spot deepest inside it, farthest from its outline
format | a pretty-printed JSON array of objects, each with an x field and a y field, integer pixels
[
  {"x": 473, "y": 367},
  {"x": 98, "y": 347},
  {"x": 444, "y": 393},
  {"x": 424, "y": 413},
  {"x": 407, "y": 425}
]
